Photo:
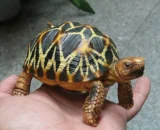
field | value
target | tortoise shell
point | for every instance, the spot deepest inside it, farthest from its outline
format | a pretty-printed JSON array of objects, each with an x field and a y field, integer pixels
[{"x": 70, "y": 52}]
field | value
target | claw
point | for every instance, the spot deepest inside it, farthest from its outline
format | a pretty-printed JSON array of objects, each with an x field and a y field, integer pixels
[{"x": 19, "y": 92}]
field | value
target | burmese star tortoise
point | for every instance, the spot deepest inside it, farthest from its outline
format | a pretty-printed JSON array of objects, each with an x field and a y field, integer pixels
[{"x": 79, "y": 57}]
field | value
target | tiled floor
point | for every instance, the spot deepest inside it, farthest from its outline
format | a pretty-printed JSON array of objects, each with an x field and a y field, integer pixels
[{"x": 133, "y": 25}]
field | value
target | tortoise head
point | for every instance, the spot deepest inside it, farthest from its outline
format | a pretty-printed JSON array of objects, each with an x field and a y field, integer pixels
[{"x": 129, "y": 68}]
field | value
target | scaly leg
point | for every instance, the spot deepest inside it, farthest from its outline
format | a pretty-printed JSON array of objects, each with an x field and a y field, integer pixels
[
  {"x": 22, "y": 85},
  {"x": 94, "y": 103},
  {"x": 125, "y": 95}
]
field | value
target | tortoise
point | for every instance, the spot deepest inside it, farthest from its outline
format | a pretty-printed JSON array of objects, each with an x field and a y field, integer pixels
[{"x": 79, "y": 57}]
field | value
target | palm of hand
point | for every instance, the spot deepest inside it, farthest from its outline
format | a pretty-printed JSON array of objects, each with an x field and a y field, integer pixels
[{"x": 60, "y": 110}]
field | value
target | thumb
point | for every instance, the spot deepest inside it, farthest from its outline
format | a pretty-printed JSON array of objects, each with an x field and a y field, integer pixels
[
  {"x": 7, "y": 85},
  {"x": 140, "y": 94}
]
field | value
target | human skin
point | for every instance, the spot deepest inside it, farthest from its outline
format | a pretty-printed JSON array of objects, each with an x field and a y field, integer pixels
[{"x": 57, "y": 109}]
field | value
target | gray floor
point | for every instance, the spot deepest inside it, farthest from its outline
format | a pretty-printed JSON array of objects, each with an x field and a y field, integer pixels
[{"x": 134, "y": 25}]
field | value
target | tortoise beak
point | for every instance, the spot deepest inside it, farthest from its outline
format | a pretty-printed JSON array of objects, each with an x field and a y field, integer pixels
[
  {"x": 139, "y": 61},
  {"x": 140, "y": 66}
]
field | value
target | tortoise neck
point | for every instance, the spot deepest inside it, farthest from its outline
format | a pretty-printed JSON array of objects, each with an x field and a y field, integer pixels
[{"x": 112, "y": 74}]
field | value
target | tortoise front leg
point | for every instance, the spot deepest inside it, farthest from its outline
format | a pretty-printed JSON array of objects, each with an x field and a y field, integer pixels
[
  {"x": 94, "y": 103},
  {"x": 22, "y": 85},
  {"x": 125, "y": 95}
]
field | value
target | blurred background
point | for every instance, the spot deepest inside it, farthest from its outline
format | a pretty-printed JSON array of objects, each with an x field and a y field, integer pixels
[{"x": 134, "y": 26}]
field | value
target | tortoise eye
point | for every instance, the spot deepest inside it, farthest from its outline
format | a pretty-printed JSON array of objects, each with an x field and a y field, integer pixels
[{"x": 127, "y": 64}]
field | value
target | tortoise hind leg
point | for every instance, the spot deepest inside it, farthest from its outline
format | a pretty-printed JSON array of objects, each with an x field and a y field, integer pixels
[
  {"x": 22, "y": 85},
  {"x": 94, "y": 103},
  {"x": 125, "y": 95}
]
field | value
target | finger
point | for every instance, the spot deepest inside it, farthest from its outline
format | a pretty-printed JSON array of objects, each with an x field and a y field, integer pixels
[
  {"x": 140, "y": 94},
  {"x": 60, "y": 94},
  {"x": 8, "y": 84}
]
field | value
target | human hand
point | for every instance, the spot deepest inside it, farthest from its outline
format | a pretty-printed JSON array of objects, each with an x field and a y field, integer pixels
[{"x": 56, "y": 109}]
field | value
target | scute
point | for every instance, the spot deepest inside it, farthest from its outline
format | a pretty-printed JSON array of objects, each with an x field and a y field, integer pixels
[
  {"x": 76, "y": 29},
  {"x": 65, "y": 27},
  {"x": 70, "y": 52},
  {"x": 63, "y": 75},
  {"x": 78, "y": 77},
  {"x": 98, "y": 44},
  {"x": 69, "y": 43},
  {"x": 87, "y": 33},
  {"x": 40, "y": 70},
  {"x": 97, "y": 32},
  {"x": 109, "y": 55},
  {"x": 73, "y": 64},
  {"x": 50, "y": 73},
  {"x": 47, "y": 39}
]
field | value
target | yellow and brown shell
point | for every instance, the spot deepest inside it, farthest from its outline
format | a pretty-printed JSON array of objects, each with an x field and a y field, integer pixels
[{"x": 70, "y": 52}]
